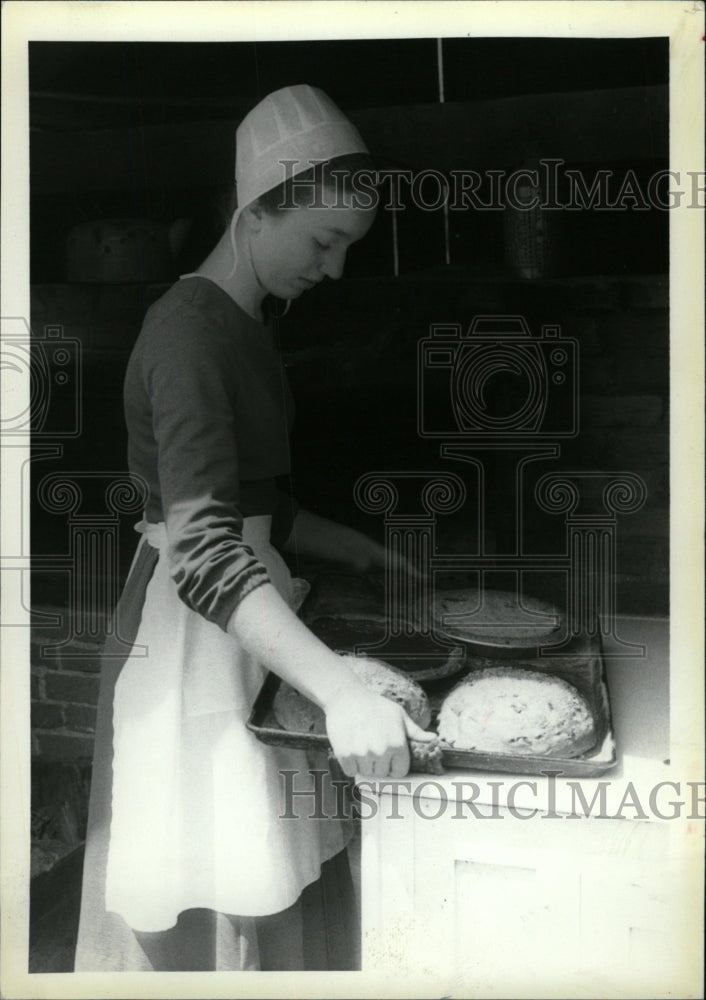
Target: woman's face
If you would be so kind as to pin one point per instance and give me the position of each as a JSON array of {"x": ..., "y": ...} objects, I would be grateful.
[{"x": 294, "y": 249}]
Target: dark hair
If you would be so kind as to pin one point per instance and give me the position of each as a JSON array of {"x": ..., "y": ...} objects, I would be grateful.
[{"x": 338, "y": 173}]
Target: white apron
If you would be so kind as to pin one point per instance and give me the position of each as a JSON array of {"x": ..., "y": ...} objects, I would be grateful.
[{"x": 197, "y": 799}]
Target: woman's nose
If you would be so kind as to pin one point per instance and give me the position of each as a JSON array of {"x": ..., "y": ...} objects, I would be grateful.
[{"x": 333, "y": 263}]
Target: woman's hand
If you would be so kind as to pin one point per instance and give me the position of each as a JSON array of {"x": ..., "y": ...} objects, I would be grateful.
[
  {"x": 369, "y": 734},
  {"x": 368, "y": 556},
  {"x": 317, "y": 536}
]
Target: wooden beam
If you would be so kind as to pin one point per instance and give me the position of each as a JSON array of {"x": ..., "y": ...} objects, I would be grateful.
[{"x": 629, "y": 124}]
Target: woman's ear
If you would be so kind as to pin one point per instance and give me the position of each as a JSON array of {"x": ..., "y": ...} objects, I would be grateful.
[{"x": 253, "y": 214}]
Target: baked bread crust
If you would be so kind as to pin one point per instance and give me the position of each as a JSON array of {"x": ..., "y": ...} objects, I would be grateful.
[
  {"x": 427, "y": 757},
  {"x": 510, "y": 710},
  {"x": 295, "y": 713}
]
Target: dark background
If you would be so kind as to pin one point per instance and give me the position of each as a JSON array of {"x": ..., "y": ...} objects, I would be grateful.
[
  {"x": 131, "y": 98},
  {"x": 145, "y": 131}
]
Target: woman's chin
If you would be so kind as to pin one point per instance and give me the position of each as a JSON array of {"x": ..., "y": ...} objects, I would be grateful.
[
  {"x": 292, "y": 289},
  {"x": 302, "y": 285}
]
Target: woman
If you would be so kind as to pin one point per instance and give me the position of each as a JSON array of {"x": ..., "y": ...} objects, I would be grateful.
[{"x": 188, "y": 864}]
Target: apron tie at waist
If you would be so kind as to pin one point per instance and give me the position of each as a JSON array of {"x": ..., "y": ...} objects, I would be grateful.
[{"x": 154, "y": 533}]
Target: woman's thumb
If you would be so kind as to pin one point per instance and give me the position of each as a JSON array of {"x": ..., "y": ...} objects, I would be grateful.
[{"x": 415, "y": 733}]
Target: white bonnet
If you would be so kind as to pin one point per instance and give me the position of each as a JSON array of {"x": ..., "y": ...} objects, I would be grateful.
[{"x": 296, "y": 123}]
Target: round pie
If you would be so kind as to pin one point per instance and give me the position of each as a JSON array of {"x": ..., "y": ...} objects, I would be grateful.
[
  {"x": 495, "y": 617},
  {"x": 510, "y": 710}
]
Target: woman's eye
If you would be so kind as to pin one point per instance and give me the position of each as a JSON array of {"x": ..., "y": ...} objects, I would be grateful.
[{"x": 322, "y": 246}]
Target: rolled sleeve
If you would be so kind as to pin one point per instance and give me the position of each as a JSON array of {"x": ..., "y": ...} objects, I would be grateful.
[{"x": 197, "y": 461}]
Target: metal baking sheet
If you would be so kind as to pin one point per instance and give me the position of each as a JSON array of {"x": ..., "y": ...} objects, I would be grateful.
[{"x": 583, "y": 667}]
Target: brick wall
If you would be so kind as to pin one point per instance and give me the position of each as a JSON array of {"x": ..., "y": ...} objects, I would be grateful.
[{"x": 64, "y": 690}]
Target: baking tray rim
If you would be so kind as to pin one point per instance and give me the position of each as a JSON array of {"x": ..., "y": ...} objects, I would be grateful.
[{"x": 599, "y": 759}]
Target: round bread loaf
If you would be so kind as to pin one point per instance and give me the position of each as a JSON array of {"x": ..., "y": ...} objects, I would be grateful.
[
  {"x": 297, "y": 714},
  {"x": 520, "y": 712}
]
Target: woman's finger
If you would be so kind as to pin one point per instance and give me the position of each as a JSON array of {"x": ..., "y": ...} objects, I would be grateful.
[
  {"x": 349, "y": 765},
  {"x": 366, "y": 766},
  {"x": 399, "y": 765},
  {"x": 414, "y": 732},
  {"x": 383, "y": 764}
]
